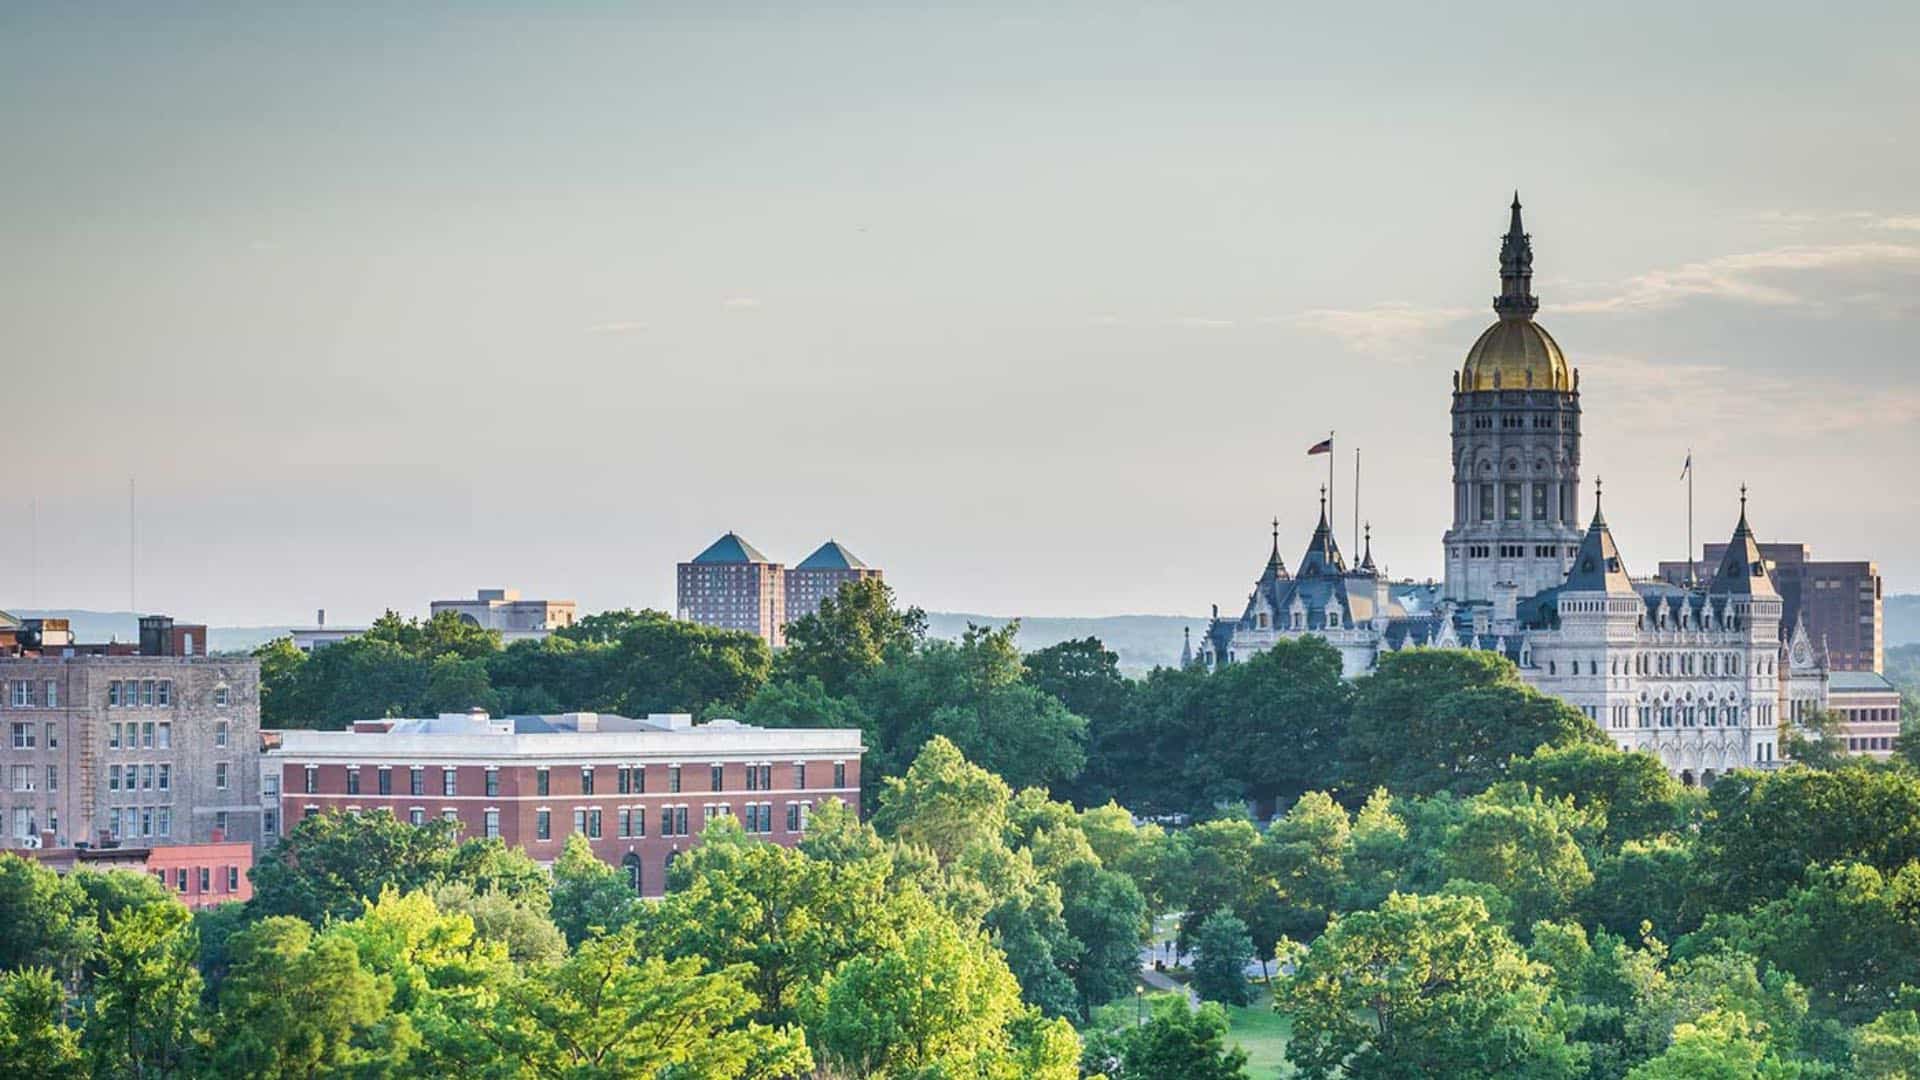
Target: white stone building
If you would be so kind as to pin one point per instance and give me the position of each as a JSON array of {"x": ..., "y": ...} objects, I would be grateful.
[{"x": 1700, "y": 674}]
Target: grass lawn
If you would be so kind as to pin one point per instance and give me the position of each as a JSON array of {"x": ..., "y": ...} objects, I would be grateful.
[{"x": 1262, "y": 1033}]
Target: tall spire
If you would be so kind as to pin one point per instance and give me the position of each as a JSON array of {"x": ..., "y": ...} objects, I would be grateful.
[
  {"x": 1366, "y": 558},
  {"x": 1323, "y": 551},
  {"x": 1276, "y": 566},
  {"x": 1516, "y": 299}
]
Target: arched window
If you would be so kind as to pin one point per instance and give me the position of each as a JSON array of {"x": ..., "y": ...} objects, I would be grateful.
[{"x": 631, "y": 864}]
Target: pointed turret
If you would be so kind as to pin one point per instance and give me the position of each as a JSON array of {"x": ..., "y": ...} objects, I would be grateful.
[
  {"x": 1366, "y": 556},
  {"x": 1186, "y": 647},
  {"x": 1323, "y": 551},
  {"x": 1516, "y": 299},
  {"x": 1742, "y": 571},
  {"x": 1276, "y": 569},
  {"x": 1597, "y": 567}
]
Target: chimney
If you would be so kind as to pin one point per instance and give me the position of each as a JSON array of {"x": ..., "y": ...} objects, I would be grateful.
[{"x": 320, "y": 617}]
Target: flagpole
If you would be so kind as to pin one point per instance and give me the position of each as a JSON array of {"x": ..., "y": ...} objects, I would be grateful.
[
  {"x": 1693, "y": 576},
  {"x": 1355, "y": 535}
]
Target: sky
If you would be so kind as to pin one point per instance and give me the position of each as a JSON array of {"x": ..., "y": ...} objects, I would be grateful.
[{"x": 1035, "y": 306}]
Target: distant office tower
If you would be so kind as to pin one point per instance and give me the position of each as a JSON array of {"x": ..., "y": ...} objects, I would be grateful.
[
  {"x": 820, "y": 575},
  {"x": 503, "y": 610},
  {"x": 732, "y": 586},
  {"x": 1842, "y": 602},
  {"x": 138, "y": 744}
]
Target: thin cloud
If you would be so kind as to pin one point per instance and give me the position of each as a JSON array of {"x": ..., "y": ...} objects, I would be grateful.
[
  {"x": 1390, "y": 330},
  {"x": 1747, "y": 278},
  {"x": 1665, "y": 396},
  {"x": 616, "y": 327},
  {"x": 741, "y": 303}
]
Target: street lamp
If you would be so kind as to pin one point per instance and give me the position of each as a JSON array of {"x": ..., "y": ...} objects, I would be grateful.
[{"x": 1139, "y": 1005}]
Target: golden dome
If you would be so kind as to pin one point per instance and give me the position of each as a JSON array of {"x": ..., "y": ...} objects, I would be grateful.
[{"x": 1516, "y": 354}]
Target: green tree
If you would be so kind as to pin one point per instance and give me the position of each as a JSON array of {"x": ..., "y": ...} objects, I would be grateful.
[
  {"x": 588, "y": 895},
  {"x": 1719, "y": 1046},
  {"x": 34, "y": 1042},
  {"x": 146, "y": 996},
  {"x": 1278, "y": 720},
  {"x": 1762, "y": 830},
  {"x": 607, "y": 1012},
  {"x": 299, "y": 1004},
  {"x": 46, "y": 918},
  {"x": 660, "y": 664},
  {"x": 1178, "y": 1041},
  {"x": 1424, "y": 986},
  {"x": 1304, "y": 854},
  {"x": 854, "y": 632},
  {"x": 944, "y": 802},
  {"x": 332, "y": 863},
  {"x": 1888, "y": 1048},
  {"x": 1222, "y": 950},
  {"x": 1430, "y": 720},
  {"x": 1523, "y": 845},
  {"x": 1105, "y": 913},
  {"x": 1640, "y": 798},
  {"x": 1817, "y": 740},
  {"x": 520, "y": 923},
  {"x": 1220, "y": 872},
  {"x": 942, "y": 1003}
]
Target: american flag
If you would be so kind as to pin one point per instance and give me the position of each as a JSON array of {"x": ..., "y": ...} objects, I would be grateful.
[{"x": 1324, "y": 446}]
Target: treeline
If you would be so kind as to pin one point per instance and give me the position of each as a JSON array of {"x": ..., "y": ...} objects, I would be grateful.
[{"x": 955, "y": 936}]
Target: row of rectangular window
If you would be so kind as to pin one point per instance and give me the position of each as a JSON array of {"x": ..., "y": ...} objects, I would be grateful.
[
  {"x": 158, "y": 777},
  {"x": 24, "y": 731},
  {"x": 23, "y": 694},
  {"x": 26, "y": 826},
  {"x": 25, "y": 775},
  {"x": 136, "y": 821},
  {"x": 630, "y": 779},
  {"x": 140, "y": 694},
  {"x": 204, "y": 878}
]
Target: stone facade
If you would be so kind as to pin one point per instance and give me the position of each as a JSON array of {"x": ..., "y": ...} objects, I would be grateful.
[{"x": 147, "y": 750}]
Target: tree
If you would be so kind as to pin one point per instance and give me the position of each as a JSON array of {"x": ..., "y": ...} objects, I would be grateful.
[
  {"x": 34, "y": 1043},
  {"x": 1178, "y": 1041},
  {"x": 521, "y": 923},
  {"x": 1220, "y": 874},
  {"x": 589, "y": 896},
  {"x": 786, "y": 918},
  {"x": 297, "y": 1004},
  {"x": 1646, "y": 881},
  {"x": 660, "y": 664},
  {"x": 1104, "y": 912},
  {"x": 1430, "y": 720},
  {"x": 1640, "y": 798},
  {"x": 1889, "y": 1047},
  {"x": 942, "y": 1003},
  {"x": 1523, "y": 845},
  {"x": 1305, "y": 855},
  {"x": 1763, "y": 829},
  {"x": 1278, "y": 720},
  {"x": 608, "y": 1011},
  {"x": 332, "y": 863},
  {"x": 46, "y": 918},
  {"x": 1720, "y": 1046},
  {"x": 1422, "y": 986},
  {"x": 1222, "y": 951},
  {"x": 855, "y": 631},
  {"x": 146, "y": 996},
  {"x": 1817, "y": 740},
  {"x": 944, "y": 802}
]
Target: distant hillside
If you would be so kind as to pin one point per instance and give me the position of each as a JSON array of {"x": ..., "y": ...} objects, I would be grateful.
[
  {"x": 1144, "y": 642},
  {"x": 1903, "y": 620},
  {"x": 125, "y": 626}
]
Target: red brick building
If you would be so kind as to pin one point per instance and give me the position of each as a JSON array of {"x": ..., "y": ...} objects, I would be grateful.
[
  {"x": 203, "y": 875},
  {"x": 639, "y": 790}
]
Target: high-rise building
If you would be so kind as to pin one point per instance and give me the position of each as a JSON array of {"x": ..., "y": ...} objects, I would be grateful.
[
  {"x": 149, "y": 743},
  {"x": 733, "y": 586},
  {"x": 820, "y": 575},
  {"x": 1842, "y": 602}
]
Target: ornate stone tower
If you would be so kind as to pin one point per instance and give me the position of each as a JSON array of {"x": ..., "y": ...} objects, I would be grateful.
[{"x": 1516, "y": 446}]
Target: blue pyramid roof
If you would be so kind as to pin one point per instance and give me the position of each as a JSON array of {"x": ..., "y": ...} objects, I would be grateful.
[
  {"x": 831, "y": 556},
  {"x": 731, "y": 549}
]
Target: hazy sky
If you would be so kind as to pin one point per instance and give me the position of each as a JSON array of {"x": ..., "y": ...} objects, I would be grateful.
[{"x": 1036, "y": 307}]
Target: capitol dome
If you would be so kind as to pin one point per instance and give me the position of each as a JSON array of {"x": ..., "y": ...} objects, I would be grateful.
[{"x": 1516, "y": 353}]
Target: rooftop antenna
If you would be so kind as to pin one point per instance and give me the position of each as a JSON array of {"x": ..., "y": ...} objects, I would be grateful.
[
  {"x": 33, "y": 554},
  {"x": 133, "y": 548}
]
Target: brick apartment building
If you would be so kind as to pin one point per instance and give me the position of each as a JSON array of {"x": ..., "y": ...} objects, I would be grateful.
[
  {"x": 733, "y": 586},
  {"x": 1842, "y": 601},
  {"x": 639, "y": 790},
  {"x": 145, "y": 743},
  {"x": 820, "y": 575},
  {"x": 202, "y": 875}
]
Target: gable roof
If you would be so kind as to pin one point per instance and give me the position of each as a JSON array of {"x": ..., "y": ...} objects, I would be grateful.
[
  {"x": 730, "y": 549},
  {"x": 831, "y": 556}
]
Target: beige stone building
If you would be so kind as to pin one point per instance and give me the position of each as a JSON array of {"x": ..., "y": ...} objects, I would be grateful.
[
  {"x": 153, "y": 743},
  {"x": 505, "y": 611}
]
